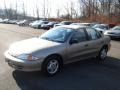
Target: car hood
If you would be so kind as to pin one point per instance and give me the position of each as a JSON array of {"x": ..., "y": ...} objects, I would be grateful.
[
  {"x": 99, "y": 29},
  {"x": 30, "y": 46},
  {"x": 58, "y": 24},
  {"x": 35, "y": 24},
  {"x": 44, "y": 25},
  {"x": 114, "y": 31}
]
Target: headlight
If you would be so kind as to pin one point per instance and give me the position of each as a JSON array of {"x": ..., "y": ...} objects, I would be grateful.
[
  {"x": 27, "y": 57},
  {"x": 105, "y": 32},
  {"x": 42, "y": 25}
]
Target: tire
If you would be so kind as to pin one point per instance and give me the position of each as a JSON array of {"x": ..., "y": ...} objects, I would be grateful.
[
  {"x": 39, "y": 27},
  {"x": 102, "y": 54},
  {"x": 51, "y": 66}
]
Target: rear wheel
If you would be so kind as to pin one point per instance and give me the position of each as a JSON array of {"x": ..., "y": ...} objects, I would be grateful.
[
  {"x": 102, "y": 54},
  {"x": 51, "y": 66}
]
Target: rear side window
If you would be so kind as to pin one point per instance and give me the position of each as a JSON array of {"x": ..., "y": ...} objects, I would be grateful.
[
  {"x": 67, "y": 23},
  {"x": 45, "y": 22},
  {"x": 99, "y": 34},
  {"x": 79, "y": 36},
  {"x": 93, "y": 34}
]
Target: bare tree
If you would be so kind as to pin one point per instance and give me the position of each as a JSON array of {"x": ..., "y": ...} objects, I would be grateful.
[
  {"x": 58, "y": 13},
  {"x": 6, "y": 11},
  {"x": 16, "y": 10},
  {"x": 37, "y": 11},
  {"x": 24, "y": 11},
  {"x": 67, "y": 12},
  {"x": 71, "y": 9},
  {"x": 46, "y": 9}
]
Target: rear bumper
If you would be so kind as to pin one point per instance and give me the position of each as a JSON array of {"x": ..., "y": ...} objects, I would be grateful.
[
  {"x": 109, "y": 46},
  {"x": 22, "y": 65},
  {"x": 46, "y": 27}
]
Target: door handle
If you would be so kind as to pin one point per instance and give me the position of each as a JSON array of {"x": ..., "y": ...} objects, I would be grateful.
[{"x": 86, "y": 45}]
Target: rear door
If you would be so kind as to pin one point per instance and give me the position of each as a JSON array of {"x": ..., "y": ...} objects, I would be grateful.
[
  {"x": 95, "y": 41},
  {"x": 77, "y": 50}
]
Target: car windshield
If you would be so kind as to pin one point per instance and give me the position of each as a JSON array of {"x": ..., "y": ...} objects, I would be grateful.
[
  {"x": 96, "y": 26},
  {"x": 65, "y": 23},
  {"x": 79, "y": 24},
  {"x": 58, "y": 34},
  {"x": 39, "y": 22},
  {"x": 86, "y": 24},
  {"x": 75, "y": 24},
  {"x": 50, "y": 23},
  {"x": 100, "y": 26},
  {"x": 116, "y": 28},
  {"x": 35, "y": 21}
]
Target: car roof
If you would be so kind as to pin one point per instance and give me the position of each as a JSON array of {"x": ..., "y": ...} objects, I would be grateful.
[
  {"x": 104, "y": 24},
  {"x": 66, "y": 21},
  {"x": 73, "y": 26},
  {"x": 117, "y": 26}
]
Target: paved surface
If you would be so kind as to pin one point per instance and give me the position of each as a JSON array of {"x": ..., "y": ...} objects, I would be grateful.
[{"x": 83, "y": 75}]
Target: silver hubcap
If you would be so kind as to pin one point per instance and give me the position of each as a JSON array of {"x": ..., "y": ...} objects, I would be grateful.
[
  {"x": 52, "y": 66},
  {"x": 103, "y": 54}
]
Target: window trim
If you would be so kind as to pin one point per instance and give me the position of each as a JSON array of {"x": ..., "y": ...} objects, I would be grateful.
[
  {"x": 100, "y": 35},
  {"x": 74, "y": 34},
  {"x": 90, "y": 38}
]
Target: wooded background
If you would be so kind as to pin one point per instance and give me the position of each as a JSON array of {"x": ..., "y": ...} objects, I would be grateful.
[{"x": 104, "y": 11}]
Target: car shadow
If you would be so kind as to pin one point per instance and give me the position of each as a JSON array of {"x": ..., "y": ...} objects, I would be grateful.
[{"x": 83, "y": 75}]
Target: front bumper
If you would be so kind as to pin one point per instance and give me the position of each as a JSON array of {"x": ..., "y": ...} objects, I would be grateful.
[
  {"x": 34, "y": 26},
  {"x": 113, "y": 35},
  {"x": 22, "y": 65},
  {"x": 45, "y": 27}
]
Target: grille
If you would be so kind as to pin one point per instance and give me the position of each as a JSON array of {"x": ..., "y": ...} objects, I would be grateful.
[{"x": 111, "y": 33}]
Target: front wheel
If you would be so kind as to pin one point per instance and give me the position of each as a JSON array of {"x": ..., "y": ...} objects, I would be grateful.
[
  {"x": 51, "y": 66},
  {"x": 39, "y": 27}
]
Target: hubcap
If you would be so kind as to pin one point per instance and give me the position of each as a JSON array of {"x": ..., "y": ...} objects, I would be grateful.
[
  {"x": 103, "y": 54},
  {"x": 52, "y": 66}
]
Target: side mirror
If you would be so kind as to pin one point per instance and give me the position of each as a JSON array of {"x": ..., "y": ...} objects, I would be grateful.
[{"x": 73, "y": 41}]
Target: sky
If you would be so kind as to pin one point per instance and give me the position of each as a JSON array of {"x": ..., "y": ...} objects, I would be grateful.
[{"x": 30, "y": 6}]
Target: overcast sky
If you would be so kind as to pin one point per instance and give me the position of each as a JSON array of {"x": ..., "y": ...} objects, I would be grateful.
[{"x": 30, "y": 5}]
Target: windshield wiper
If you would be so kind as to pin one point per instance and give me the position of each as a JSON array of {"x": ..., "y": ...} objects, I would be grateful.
[{"x": 46, "y": 38}]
